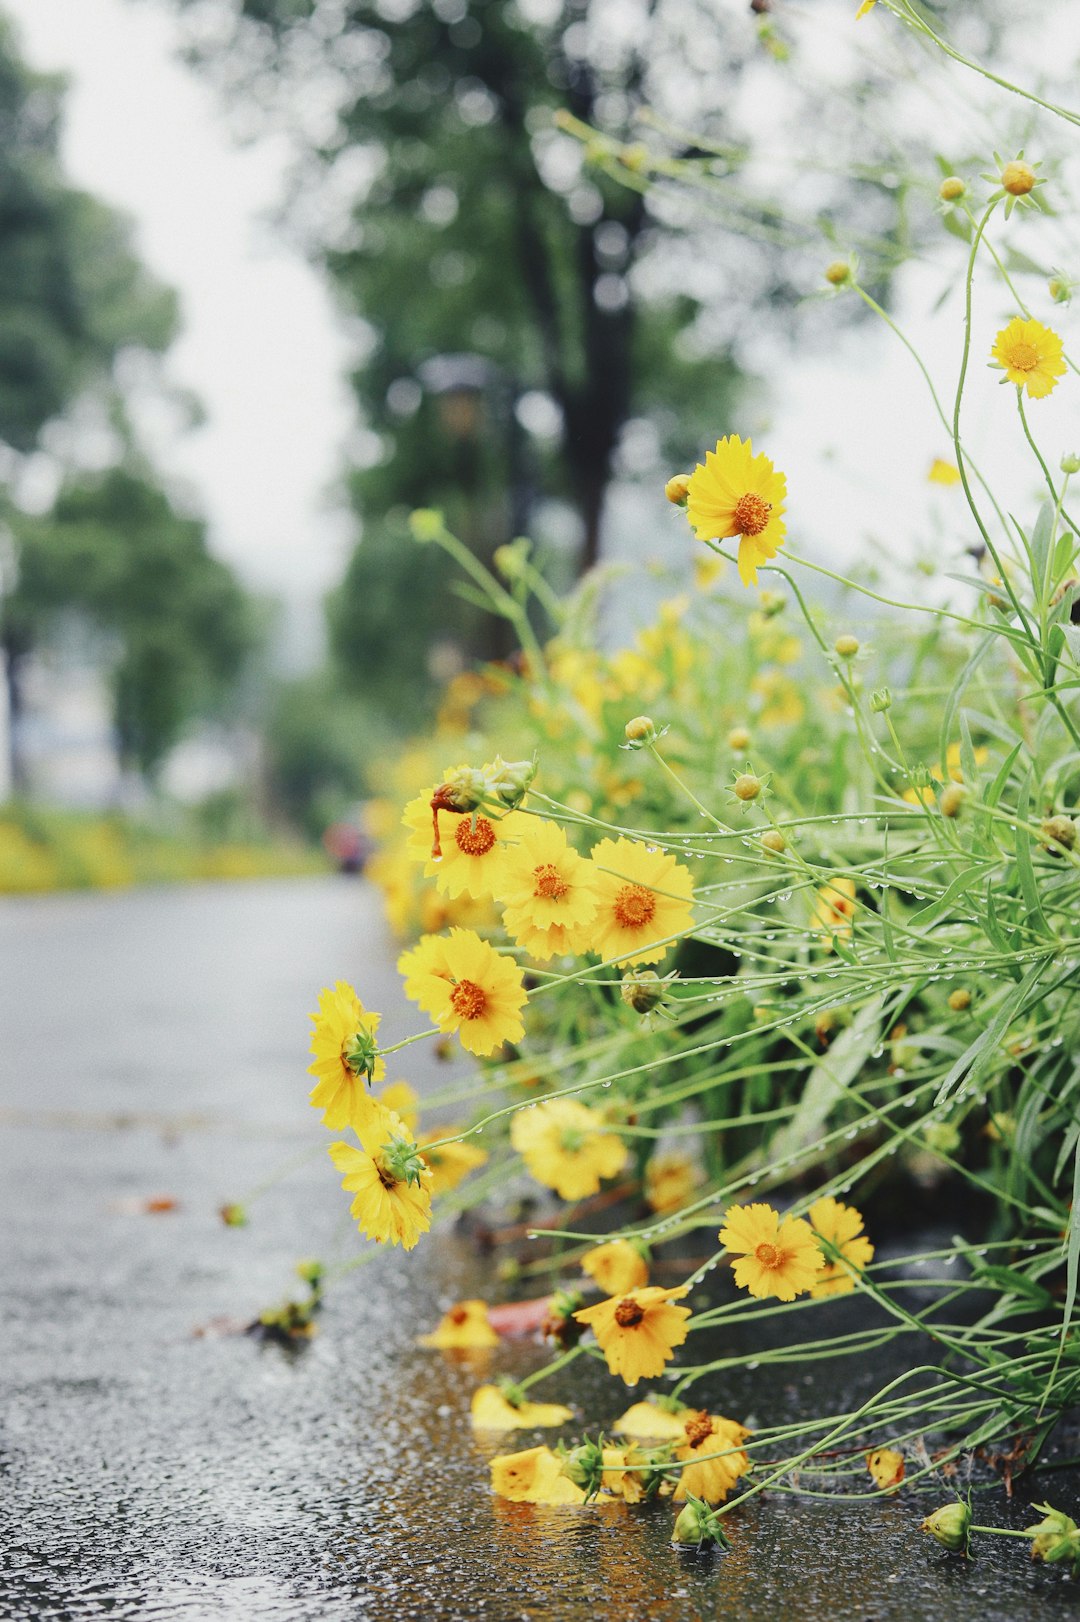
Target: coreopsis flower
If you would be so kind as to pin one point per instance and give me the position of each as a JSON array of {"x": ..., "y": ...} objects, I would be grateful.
[
  {"x": 886, "y": 1466},
  {"x": 776, "y": 1256},
  {"x": 504, "y": 1410},
  {"x": 671, "y": 1181},
  {"x": 566, "y": 1146},
  {"x": 403, "y": 1100},
  {"x": 715, "y": 1459},
  {"x": 345, "y": 1051},
  {"x": 644, "y": 897},
  {"x": 534, "y": 1476},
  {"x": 547, "y": 892},
  {"x": 639, "y": 1331},
  {"x": 841, "y": 1225},
  {"x": 1055, "y": 1540},
  {"x": 389, "y": 1181},
  {"x": 425, "y": 971},
  {"x": 466, "y": 1327},
  {"x": 834, "y": 908},
  {"x": 865, "y": 9},
  {"x": 448, "y": 1163},
  {"x": 472, "y": 847},
  {"x": 482, "y": 997},
  {"x": 1030, "y": 355},
  {"x": 617, "y": 1266},
  {"x": 650, "y": 1421},
  {"x": 620, "y": 1479},
  {"x": 735, "y": 493},
  {"x": 942, "y": 472}
]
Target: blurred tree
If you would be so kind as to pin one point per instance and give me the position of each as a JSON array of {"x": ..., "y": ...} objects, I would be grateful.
[
  {"x": 320, "y": 746},
  {"x": 178, "y": 625}
]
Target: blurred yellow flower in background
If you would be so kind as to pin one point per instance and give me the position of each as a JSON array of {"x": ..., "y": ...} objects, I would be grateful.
[
  {"x": 566, "y": 1147},
  {"x": 464, "y": 1328},
  {"x": 617, "y": 1266}
]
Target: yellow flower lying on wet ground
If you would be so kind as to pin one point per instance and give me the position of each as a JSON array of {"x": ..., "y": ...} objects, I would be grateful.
[
  {"x": 712, "y": 1447},
  {"x": 481, "y": 998},
  {"x": 533, "y": 1477},
  {"x": 942, "y": 472},
  {"x": 736, "y": 493},
  {"x": 777, "y": 1256},
  {"x": 547, "y": 891},
  {"x": 465, "y": 1327},
  {"x": 565, "y": 1146},
  {"x": 1030, "y": 355},
  {"x": 671, "y": 1181},
  {"x": 644, "y": 897},
  {"x": 617, "y": 1266},
  {"x": 473, "y": 847},
  {"x": 449, "y": 1163},
  {"x": 649, "y": 1422},
  {"x": 492, "y": 1411},
  {"x": 842, "y": 1226},
  {"x": 344, "y": 1046},
  {"x": 639, "y": 1331},
  {"x": 834, "y": 908},
  {"x": 391, "y": 1184},
  {"x": 886, "y": 1466}
]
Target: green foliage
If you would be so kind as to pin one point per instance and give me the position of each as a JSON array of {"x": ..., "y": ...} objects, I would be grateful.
[{"x": 320, "y": 748}]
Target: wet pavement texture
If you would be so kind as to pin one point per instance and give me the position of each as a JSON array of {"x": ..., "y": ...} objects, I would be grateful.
[{"x": 154, "y": 1044}]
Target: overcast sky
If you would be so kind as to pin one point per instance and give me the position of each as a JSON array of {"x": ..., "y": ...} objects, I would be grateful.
[{"x": 262, "y": 349}]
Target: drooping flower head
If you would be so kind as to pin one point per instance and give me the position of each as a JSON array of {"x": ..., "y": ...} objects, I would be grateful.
[
  {"x": 735, "y": 493},
  {"x": 712, "y": 1447},
  {"x": 508, "y": 1410},
  {"x": 388, "y": 1179},
  {"x": 644, "y": 897},
  {"x": 1030, "y": 355},
  {"x": 671, "y": 1181},
  {"x": 547, "y": 891},
  {"x": 841, "y": 1225},
  {"x": 650, "y": 1421},
  {"x": 480, "y": 998},
  {"x": 534, "y": 1476},
  {"x": 776, "y": 1256},
  {"x": 639, "y": 1331},
  {"x": 345, "y": 1051},
  {"x": 566, "y": 1146},
  {"x": 617, "y": 1266}
]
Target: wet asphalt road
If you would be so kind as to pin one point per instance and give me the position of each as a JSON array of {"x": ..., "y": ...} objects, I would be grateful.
[{"x": 153, "y": 1045}]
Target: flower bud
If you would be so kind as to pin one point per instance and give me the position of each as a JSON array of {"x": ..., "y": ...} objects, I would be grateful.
[
  {"x": 233, "y": 1215},
  {"x": 677, "y": 489},
  {"x": 312, "y": 1272},
  {"x": 642, "y": 990},
  {"x": 772, "y": 839},
  {"x": 838, "y": 272},
  {"x": 847, "y": 646},
  {"x": 1056, "y": 1539},
  {"x": 942, "y": 1137},
  {"x": 959, "y": 999},
  {"x": 880, "y": 699},
  {"x": 559, "y": 1323},
  {"x": 584, "y": 1466},
  {"x": 509, "y": 780},
  {"x": 952, "y": 188},
  {"x": 634, "y": 157},
  {"x": 1059, "y": 831},
  {"x": 696, "y": 1524},
  {"x": 738, "y": 739},
  {"x": 771, "y": 603},
  {"x": 747, "y": 787},
  {"x": 640, "y": 732},
  {"x": 950, "y": 1526},
  {"x": 1070, "y": 463},
  {"x": 1018, "y": 178},
  {"x": 952, "y": 800},
  {"x": 1060, "y": 288},
  {"x": 426, "y": 524}
]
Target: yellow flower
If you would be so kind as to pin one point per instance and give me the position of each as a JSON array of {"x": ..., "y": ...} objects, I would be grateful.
[
  {"x": 465, "y": 1327},
  {"x": 943, "y": 472},
  {"x": 886, "y": 1466},
  {"x": 644, "y": 896},
  {"x": 617, "y": 1266},
  {"x": 621, "y": 1481},
  {"x": 708, "y": 569},
  {"x": 781, "y": 703},
  {"x": 671, "y": 1181},
  {"x": 425, "y": 971},
  {"x": 450, "y": 1163},
  {"x": 776, "y": 1256},
  {"x": 638, "y": 1333},
  {"x": 738, "y": 493},
  {"x": 865, "y": 9},
  {"x": 648, "y": 1422},
  {"x": 834, "y": 907},
  {"x": 547, "y": 890},
  {"x": 483, "y": 997},
  {"x": 565, "y": 1146},
  {"x": 533, "y": 1477},
  {"x": 716, "y": 1460},
  {"x": 343, "y": 1044},
  {"x": 473, "y": 847},
  {"x": 1030, "y": 356},
  {"x": 391, "y": 1184},
  {"x": 403, "y": 1100},
  {"x": 842, "y": 1226},
  {"x": 491, "y": 1411}
]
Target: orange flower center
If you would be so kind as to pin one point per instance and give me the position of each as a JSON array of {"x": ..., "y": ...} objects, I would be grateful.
[
  {"x": 468, "y": 1000},
  {"x": 634, "y": 906},
  {"x": 770, "y": 1256},
  {"x": 751, "y": 514},
  {"x": 698, "y": 1427},
  {"x": 629, "y": 1313},
  {"x": 1023, "y": 357},
  {"x": 458, "y": 1315},
  {"x": 474, "y": 841},
  {"x": 550, "y": 885}
]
